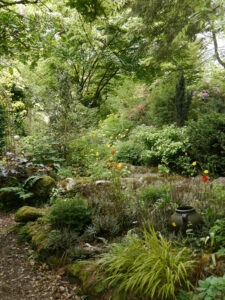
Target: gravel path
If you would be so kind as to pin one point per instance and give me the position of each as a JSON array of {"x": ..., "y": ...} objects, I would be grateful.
[{"x": 19, "y": 278}]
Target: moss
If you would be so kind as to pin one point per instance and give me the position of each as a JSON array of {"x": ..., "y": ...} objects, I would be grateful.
[
  {"x": 152, "y": 178},
  {"x": 174, "y": 178},
  {"x": 85, "y": 274},
  {"x": 75, "y": 269},
  {"x": 154, "y": 169},
  {"x": 28, "y": 213},
  {"x": 38, "y": 235},
  {"x": 43, "y": 186}
]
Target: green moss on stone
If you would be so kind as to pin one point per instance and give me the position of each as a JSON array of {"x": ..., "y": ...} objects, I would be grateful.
[
  {"x": 28, "y": 213},
  {"x": 43, "y": 186}
]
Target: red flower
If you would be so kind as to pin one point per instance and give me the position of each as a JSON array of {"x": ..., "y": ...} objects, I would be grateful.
[
  {"x": 204, "y": 178},
  {"x": 112, "y": 152},
  {"x": 111, "y": 164},
  {"x": 118, "y": 168},
  {"x": 115, "y": 165}
]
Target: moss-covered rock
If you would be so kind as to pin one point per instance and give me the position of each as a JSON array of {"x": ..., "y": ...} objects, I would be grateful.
[
  {"x": 43, "y": 186},
  {"x": 29, "y": 213},
  {"x": 86, "y": 275},
  {"x": 38, "y": 234}
]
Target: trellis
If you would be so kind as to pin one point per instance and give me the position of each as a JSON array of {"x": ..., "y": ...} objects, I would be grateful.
[{"x": 6, "y": 120}]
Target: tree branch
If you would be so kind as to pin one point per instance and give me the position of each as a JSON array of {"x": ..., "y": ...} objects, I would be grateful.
[
  {"x": 216, "y": 48},
  {"x": 6, "y": 3}
]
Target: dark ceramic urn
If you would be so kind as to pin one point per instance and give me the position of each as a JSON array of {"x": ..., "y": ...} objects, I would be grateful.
[{"x": 185, "y": 215}]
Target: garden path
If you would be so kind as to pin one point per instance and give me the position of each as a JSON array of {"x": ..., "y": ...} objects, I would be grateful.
[{"x": 20, "y": 277}]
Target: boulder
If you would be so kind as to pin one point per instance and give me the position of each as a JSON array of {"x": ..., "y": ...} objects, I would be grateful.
[
  {"x": 29, "y": 213},
  {"x": 67, "y": 184},
  {"x": 43, "y": 186}
]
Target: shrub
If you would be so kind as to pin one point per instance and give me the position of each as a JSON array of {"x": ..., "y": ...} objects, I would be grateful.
[
  {"x": 207, "y": 142},
  {"x": 73, "y": 213},
  {"x": 152, "y": 193},
  {"x": 147, "y": 267},
  {"x": 130, "y": 152},
  {"x": 168, "y": 146},
  {"x": 43, "y": 149}
]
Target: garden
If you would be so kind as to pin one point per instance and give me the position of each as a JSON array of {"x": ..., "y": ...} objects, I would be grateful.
[{"x": 112, "y": 146}]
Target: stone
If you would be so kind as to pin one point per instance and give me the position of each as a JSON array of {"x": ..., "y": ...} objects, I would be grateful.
[
  {"x": 67, "y": 185},
  {"x": 43, "y": 186},
  {"x": 29, "y": 213}
]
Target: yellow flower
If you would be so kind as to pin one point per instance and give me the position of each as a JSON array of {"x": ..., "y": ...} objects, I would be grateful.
[
  {"x": 110, "y": 158},
  {"x": 173, "y": 224},
  {"x": 120, "y": 165},
  {"x": 113, "y": 146},
  {"x": 206, "y": 171},
  {"x": 97, "y": 153},
  {"x": 186, "y": 153},
  {"x": 108, "y": 145},
  {"x": 194, "y": 163},
  {"x": 126, "y": 129},
  {"x": 159, "y": 148}
]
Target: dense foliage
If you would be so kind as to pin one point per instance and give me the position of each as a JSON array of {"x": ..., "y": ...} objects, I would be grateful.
[{"x": 113, "y": 117}]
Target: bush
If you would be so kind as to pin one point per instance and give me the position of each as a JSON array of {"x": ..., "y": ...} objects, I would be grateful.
[
  {"x": 168, "y": 146},
  {"x": 130, "y": 152},
  {"x": 207, "y": 142},
  {"x": 41, "y": 148},
  {"x": 147, "y": 267},
  {"x": 152, "y": 193},
  {"x": 73, "y": 213}
]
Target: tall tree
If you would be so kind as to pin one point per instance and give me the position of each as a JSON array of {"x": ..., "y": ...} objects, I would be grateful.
[{"x": 182, "y": 101}]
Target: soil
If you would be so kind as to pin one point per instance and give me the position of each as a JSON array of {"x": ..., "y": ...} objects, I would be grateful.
[{"x": 20, "y": 276}]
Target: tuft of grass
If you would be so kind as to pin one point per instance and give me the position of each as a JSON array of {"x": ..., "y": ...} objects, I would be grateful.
[{"x": 147, "y": 267}]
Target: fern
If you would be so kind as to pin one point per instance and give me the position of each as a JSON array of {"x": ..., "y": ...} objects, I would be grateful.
[{"x": 29, "y": 183}]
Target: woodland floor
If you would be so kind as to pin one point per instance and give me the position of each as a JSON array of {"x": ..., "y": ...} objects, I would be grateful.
[{"x": 20, "y": 277}]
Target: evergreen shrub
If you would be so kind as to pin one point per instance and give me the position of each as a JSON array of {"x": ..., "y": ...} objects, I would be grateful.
[{"x": 71, "y": 213}]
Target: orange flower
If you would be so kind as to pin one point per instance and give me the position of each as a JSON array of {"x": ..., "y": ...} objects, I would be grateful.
[
  {"x": 115, "y": 165},
  {"x": 111, "y": 164},
  {"x": 118, "y": 168},
  {"x": 112, "y": 152},
  {"x": 204, "y": 178}
]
